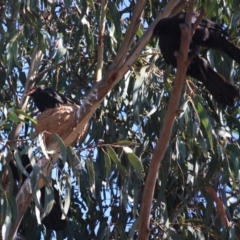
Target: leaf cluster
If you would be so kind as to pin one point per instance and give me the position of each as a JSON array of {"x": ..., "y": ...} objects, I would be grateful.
[{"x": 102, "y": 178}]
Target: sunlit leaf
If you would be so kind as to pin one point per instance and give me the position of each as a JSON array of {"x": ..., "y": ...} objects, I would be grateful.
[
  {"x": 115, "y": 159},
  {"x": 62, "y": 147},
  {"x": 135, "y": 162}
]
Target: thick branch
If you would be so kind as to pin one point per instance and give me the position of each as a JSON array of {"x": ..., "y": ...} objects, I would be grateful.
[
  {"x": 178, "y": 8},
  {"x": 36, "y": 60},
  {"x": 182, "y": 65},
  {"x": 24, "y": 196},
  {"x": 220, "y": 206}
]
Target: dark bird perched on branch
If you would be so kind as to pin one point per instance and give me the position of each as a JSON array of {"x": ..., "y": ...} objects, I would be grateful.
[
  {"x": 45, "y": 98},
  {"x": 208, "y": 34},
  {"x": 53, "y": 220}
]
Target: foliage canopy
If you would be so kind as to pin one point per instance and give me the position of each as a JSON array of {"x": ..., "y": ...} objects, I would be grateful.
[{"x": 197, "y": 190}]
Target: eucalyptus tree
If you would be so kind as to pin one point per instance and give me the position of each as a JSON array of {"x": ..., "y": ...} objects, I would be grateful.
[{"x": 73, "y": 47}]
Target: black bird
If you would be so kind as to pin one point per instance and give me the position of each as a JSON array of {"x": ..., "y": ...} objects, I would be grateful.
[
  {"x": 208, "y": 34},
  {"x": 45, "y": 98},
  {"x": 53, "y": 220}
]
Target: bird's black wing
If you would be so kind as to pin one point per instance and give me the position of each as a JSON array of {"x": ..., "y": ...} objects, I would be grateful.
[
  {"x": 223, "y": 92},
  {"x": 58, "y": 97},
  {"x": 66, "y": 99},
  {"x": 206, "y": 23}
]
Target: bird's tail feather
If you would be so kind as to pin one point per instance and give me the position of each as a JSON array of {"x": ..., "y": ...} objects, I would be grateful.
[
  {"x": 231, "y": 50},
  {"x": 223, "y": 92}
]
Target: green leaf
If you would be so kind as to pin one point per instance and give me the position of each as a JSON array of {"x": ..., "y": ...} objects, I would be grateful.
[
  {"x": 19, "y": 163},
  {"x": 67, "y": 198},
  {"x": 62, "y": 147},
  {"x": 91, "y": 175},
  {"x": 115, "y": 19},
  {"x": 3, "y": 207},
  {"x": 74, "y": 161},
  {"x": 13, "y": 117},
  {"x": 48, "y": 199},
  {"x": 107, "y": 166},
  {"x": 133, "y": 229},
  {"x": 19, "y": 111},
  {"x": 13, "y": 205},
  {"x": 12, "y": 48},
  {"x": 204, "y": 118},
  {"x": 92, "y": 4},
  {"x": 125, "y": 143},
  {"x": 46, "y": 36},
  {"x": 135, "y": 162},
  {"x": 115, "y": 159},
  {"x": 61, "y": 51}
]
